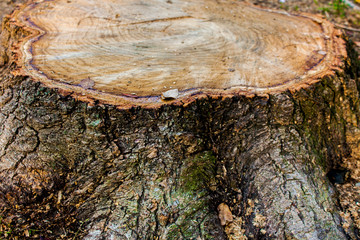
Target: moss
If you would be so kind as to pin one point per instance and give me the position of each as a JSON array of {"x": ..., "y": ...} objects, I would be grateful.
[
  {"x": 192, "y": 215},
  {"x": 315, "y": 141},
  {"x": 197, "y": 175},
  {"x": 199, "y": 172}
]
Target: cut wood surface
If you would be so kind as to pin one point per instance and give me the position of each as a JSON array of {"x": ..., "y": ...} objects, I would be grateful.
[
  {"x": 174, "y": 120},
  {"x": 134, "y": 49}
]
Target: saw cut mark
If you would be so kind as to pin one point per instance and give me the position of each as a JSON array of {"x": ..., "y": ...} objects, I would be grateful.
[{"x": 144, "y": 48}]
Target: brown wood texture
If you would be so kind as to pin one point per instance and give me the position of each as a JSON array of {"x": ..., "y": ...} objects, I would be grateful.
[
  {"x": 134, "y": 51},
  {"x": 263, "y": 105}
]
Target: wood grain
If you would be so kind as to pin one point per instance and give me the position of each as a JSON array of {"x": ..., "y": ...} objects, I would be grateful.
[{"x": 139, "y": 49}]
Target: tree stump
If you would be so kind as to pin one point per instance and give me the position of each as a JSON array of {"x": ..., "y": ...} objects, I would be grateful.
[{"x": 173, "y": 119}]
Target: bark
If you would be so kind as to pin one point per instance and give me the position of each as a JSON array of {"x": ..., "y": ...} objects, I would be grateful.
[
  {"x": 70, "y": 168},
  {"x": 162, "y": 173}
]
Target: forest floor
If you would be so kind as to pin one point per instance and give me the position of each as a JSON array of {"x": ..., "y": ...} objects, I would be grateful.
[{"x": 344, "y": 17}]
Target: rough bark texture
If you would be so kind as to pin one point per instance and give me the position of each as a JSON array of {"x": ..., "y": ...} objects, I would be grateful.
[
  {"x": 161, "y": 173},
  {"x": 71, "y": 169}
]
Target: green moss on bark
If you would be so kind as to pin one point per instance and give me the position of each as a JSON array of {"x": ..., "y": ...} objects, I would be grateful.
[{"x": 199, "y": 172}]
